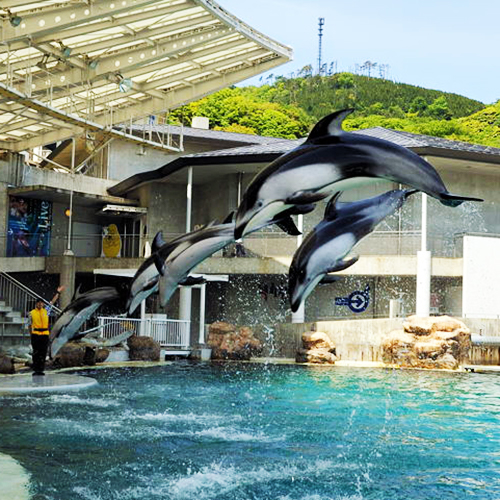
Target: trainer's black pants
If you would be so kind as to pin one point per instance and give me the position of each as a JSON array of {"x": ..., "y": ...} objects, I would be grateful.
[{"x": 40, "y": 344}]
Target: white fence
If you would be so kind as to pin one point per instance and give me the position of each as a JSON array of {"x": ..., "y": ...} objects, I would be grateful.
[{"x": 168, "y": 332}]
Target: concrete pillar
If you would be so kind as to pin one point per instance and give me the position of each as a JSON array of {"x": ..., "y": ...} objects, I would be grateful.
[
  {"x": 143, "y": 319},
  {"x": 424, "y": 260},
  {"x": 201, "y": 333},
  {"x": 300, "y": 315},
  {"x": 423, "y": 283},
  {"x": 185, "y": 303},
  {"x": 67, "y": 278}
]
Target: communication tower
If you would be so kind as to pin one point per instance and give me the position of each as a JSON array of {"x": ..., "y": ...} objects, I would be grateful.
[{"x": 321, "y": 22}]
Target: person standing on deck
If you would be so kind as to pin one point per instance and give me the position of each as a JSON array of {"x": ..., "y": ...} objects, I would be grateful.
[{"x": 39, "y": 329}]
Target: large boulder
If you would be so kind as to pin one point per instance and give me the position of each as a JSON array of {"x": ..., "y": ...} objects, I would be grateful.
[
  {"x": 74, "y": 354},
  {"x": 435, "y": 342},
  {"x": 227, "y": 341},
  {"x": 430, "y": 324},
  {"x": 317, "y": 340},
  {"x": 317, "y": 347},
  {"x": 6, "y": 364},
  {"x": 317, "y": 356},
  {"x": 143, "y": 349}
]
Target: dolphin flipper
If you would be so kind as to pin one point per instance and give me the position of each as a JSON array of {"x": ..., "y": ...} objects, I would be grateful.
[
  {"x": 288, "y": 226},
  {"x": 159, "y": 264},
  {"x": 328, "y": 278},
  {"x": 192, "y": 280},
  {"x": 344, "y": 264},
  {"x": 305, "y": 198},
  {"x": 454, "y": 200}
]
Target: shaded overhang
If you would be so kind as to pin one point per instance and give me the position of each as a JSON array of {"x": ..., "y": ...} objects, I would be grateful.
[
  {"x": 103, "y": 205},
  {"x": 72, "y": 66}
]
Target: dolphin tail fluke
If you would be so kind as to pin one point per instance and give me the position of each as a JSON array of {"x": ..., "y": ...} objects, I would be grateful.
[{"x": 454, "y": 200}]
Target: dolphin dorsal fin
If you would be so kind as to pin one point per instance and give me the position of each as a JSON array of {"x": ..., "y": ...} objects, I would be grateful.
[
  {"x": 229, "y": 218},
  {"x": 77, "y": 293},
  {"x": 158, "y": 242},
  {"x": 329, "y": 126},
  {"x": 331, "y": 207}
]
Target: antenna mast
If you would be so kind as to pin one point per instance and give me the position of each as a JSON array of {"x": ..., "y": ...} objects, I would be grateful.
[{"x": 320, "y": 35}]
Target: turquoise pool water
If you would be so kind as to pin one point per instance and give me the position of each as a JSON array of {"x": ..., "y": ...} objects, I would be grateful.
[{"x": 260, "y": 432}]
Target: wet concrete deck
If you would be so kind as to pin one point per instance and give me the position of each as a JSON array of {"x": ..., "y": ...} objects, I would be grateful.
[{"x": 50, "y": 382}]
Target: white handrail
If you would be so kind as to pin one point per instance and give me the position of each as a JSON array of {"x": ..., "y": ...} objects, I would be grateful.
[
  {"x": 19, "y": 295},
  {"x": 167, "y": 332}
]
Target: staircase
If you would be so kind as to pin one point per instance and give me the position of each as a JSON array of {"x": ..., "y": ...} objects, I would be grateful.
[
  {"x": 16, "y": 300},
  {"x": 13, "y": 330}
]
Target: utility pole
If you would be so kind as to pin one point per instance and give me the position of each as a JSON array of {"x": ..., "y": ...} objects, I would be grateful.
[{"x": 320, "y": 35}]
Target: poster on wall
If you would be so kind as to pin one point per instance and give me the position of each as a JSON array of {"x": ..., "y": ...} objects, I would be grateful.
[
  {"x": 111, "y": 241},
  {"x": 28, "y": 230}
]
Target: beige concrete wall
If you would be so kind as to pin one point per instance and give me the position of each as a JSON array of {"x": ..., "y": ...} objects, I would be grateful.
[
  {"x": 214, "y": 200},
  {"x": 354, "y": 340}
]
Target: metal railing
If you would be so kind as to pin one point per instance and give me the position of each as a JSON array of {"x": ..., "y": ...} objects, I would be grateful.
[
  {"x": 167, "y": 332},
  {"x": 19, "y": 296}
]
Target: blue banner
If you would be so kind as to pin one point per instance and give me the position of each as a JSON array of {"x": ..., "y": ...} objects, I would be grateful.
[{"x": 28, "y": 232}]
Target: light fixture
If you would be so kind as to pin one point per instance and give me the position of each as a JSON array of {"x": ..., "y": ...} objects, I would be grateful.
[
  {"x": 124, "y": 84},
  {"x": 14, "y": 20},
  {"x": 66, "y": 51},
  {"x": 42, "y": 64}
]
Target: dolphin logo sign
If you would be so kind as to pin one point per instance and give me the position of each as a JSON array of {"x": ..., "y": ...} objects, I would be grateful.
[{"x": 358, "y": 301}]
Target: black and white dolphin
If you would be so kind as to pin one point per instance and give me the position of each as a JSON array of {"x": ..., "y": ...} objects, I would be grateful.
[
  {"x": 333, "y": 160},
  {"x": 325, "y": 247},
  {"x": 186, "y": 252},
  {"x": 175, "y": 261},
  {"x": 77, "y": 312}
]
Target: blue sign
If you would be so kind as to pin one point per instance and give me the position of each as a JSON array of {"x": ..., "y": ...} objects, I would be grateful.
[{"x": 358, "y": 301}]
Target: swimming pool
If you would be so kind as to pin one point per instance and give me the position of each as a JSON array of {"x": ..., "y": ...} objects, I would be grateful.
[{"x": 252, "y": 431}]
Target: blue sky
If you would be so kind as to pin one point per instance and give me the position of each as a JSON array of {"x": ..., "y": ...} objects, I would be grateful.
[{"x": 449, "y": 45}]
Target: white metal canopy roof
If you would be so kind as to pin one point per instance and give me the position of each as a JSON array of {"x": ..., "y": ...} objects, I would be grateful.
[{"x": 69, "y": 66}]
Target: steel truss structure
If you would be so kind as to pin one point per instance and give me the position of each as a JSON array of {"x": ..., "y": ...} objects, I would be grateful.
[{"x": 73, "y": 67}]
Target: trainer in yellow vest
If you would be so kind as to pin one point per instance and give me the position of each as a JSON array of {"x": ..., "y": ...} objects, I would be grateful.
[
  {"x": 39, "y": 329},
  {"x": 39, "y": 320}
]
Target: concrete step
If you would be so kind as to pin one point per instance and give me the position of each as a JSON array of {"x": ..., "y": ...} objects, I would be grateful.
[
  {"x": 2, "y": 302},
  {"x": 6, "y": 309},
  {"x": 13, "y": 314},
  {"x": 14, "y": 320},
  {"x": 9, "y": 328}
]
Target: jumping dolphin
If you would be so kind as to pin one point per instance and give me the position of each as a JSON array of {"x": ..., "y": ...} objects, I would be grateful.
[
  {"x": 333, "y": 160},
  {"x": 77, "y": 312},
  {"x": 324, "y": 248},
  {"x": 146, "y": 279},
  {"x": 175, "y": 262}
]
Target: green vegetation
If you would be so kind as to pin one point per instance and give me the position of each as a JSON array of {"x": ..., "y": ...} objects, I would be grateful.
[{"x": 289, "y": 106}]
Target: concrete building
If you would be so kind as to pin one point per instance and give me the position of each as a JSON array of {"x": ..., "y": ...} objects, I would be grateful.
[{"x": 207, "y": 183}]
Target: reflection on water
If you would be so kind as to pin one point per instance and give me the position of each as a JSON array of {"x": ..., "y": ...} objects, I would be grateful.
[{"x": 240, "y": 431}]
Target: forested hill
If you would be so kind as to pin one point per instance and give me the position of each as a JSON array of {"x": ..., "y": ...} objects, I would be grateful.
[
  {"x": 289, "y": 107},
  {"x": 318, "y": 95}
]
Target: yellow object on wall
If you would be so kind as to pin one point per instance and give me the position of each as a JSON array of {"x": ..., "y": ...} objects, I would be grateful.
[{"x": 111, "y": 241}]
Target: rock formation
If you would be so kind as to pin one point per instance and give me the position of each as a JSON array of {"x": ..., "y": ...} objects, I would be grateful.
[
  {"x": 73, "y": 354},
  {"x": 316, "y": 348},
  {"x": 6, "y": 364},
  {"x": 143, "y": 349},
  {"x": 227, "y": 341},
  {"x": 431, "y": 342}
]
